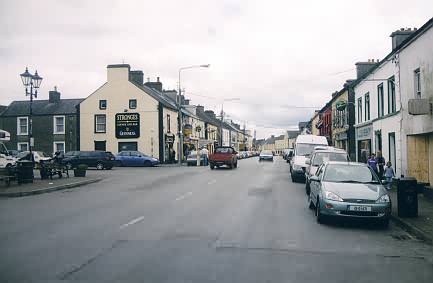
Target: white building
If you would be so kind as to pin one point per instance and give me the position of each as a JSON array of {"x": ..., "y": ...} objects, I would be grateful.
[{"x": 385, "y": 92}]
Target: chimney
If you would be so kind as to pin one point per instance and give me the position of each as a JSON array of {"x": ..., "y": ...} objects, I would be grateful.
[
  {"x": 171, "y": 94},
  {"x": 118, "y": 72},
  {"x": 347, "y": 83},
  {"x": 364, "y": 67},
  {"x": 186, "y": 102},
  {"x": 136, "y": 77},
  {"x": 199, "y": 109},
  {"x": 210, "y": 113},
  {"x": 400, "y": 35},
  {"x": 155, "y": 85},
  {"x": 54, "y": 96}
]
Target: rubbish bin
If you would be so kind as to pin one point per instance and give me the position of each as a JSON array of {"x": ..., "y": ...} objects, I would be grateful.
[
  {"x": 407, "y": 197},
  {"x": 25, "y": 171}
]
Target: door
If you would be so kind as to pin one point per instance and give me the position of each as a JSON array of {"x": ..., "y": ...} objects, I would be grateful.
[
  {"x": 392, "y": 153},
  {"x": 418, "y": 157},
  {"x": 315, "y": 186},
  {"x": 130, "y": 146},
  {"x": 136, "y": 159}
]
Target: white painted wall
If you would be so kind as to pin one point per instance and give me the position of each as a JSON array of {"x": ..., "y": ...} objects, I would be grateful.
[{"x": 419, "y": 54}]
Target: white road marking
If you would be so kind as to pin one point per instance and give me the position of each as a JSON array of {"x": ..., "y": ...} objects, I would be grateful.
[
  {"x": 183, "y": 196},
  {"x": 212, "y": 182},
  {"x": 132, "y": 222}
]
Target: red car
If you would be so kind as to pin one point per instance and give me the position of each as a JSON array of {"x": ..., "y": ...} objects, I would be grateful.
[{"x": 223, "y": 155}]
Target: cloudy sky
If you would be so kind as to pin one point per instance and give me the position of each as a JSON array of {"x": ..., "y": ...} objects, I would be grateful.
[{"x": 280, "y": 58}]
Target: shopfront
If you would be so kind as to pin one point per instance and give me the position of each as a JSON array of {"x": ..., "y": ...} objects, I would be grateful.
[{"x": 364, "y": 137}]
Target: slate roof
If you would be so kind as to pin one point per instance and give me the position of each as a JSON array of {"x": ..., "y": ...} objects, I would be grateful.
[
  {"x": 158, "y": 96},
  {"x": 292, "y": 134},
  {"x": 42, "y": 107},
  {"x": 208, "y": 119}
]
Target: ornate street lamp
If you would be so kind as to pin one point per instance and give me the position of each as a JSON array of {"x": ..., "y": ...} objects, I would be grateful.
[{"x": 31, "y": 84}]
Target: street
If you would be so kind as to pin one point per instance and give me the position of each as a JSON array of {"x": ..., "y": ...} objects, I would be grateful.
[{"x": 189, "y": 224}]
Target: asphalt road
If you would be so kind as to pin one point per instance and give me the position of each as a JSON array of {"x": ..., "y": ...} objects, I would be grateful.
[{"x": 192, "y": 224}]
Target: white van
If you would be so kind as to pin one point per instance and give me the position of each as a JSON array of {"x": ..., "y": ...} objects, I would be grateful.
[
  {"x": 304, "y": 145},
  {"x": 5, "y": 159}
]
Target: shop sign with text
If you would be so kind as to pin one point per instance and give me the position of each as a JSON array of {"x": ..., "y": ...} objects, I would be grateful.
[{"x": 127, "y": 125}]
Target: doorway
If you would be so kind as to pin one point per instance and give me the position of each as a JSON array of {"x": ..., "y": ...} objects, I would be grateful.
[{"x": 392, "y": 153}]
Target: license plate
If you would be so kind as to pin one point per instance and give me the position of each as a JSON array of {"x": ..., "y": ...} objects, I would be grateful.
[{"x": 359, "y": 208}]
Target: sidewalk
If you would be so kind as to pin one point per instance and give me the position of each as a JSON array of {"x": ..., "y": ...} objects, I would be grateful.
[
  {"x": 44, "y": 186},
  {"x": 421, "y": 226}
]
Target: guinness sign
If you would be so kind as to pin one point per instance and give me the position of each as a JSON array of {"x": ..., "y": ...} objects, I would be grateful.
[{"x": 127, "y": 125}]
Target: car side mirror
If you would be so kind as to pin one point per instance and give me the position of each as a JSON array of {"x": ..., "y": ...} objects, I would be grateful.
[
  {"x": 314, "y": 179},
  {"x": 308, "y": 161}
]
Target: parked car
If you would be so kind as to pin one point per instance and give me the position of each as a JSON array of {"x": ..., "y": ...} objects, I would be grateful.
[
  {"x": 348, "y": 189},
  {"x": 304, "y": 145},
  {"x": 223, "y": 155},
  {"x": 38, "y": 156},
  {"x": 319, "y": 156},
  {"x": 135, "y": 158},
  {"x": 266, "y": 155},
  {"x": 99, "y": 159}
]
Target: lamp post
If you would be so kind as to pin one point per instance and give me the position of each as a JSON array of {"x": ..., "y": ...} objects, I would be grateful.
[
  {"x": 222, "y": 117},
  {"x": 179, "y": 109},
  {"x": 31, "y": 84}
]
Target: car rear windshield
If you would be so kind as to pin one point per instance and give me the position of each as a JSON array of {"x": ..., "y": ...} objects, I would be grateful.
[
  {"x": 266, "y": 152},
  {"x": 223, "y": 150},
  {"x": 304, "y": 149},
  {"x": 321, "y": 157},
  {"x": 349, "y": 173}
]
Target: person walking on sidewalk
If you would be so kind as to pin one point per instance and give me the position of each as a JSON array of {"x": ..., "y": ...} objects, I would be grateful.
[
  {"x": 372, "y": 163},
  {"x": 389, "y": 173},
  {"x": 205, "y": 154},
  {"x": 380, "y": 163}
]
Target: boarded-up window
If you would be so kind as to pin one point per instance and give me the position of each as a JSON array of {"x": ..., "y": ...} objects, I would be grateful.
[{"x": 418, "y": 157}]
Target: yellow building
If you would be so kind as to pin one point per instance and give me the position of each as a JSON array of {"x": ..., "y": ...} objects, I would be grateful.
[
  {"x": 125, "y": 114},
  {"x": 314, "y": 130}
]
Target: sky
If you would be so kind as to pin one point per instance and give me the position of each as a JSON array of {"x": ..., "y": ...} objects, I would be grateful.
[{"x": 279, "y": 59}]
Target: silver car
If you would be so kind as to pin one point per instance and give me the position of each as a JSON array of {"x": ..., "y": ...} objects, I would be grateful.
[
  {"x": 348, "y": 189},
  {"x": 319, "y": 156}
]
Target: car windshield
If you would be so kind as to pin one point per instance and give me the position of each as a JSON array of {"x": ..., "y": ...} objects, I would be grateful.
[
  {"x": 321, "y": 157},
  {"x": 22, "y": 154},
  {"x": 266, "y": 152},
  {"x": 349, "y": 173},
  {"x": 304, "y": 149}
]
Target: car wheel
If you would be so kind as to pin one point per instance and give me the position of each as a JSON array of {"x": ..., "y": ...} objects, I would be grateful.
[
  {"x": 293, "y": 178},
  {"x": 310, "y": 203},
  {"x": 384, "y": 223},
  {"x": 212, "y": 166},
  {"x": 307, "y": 187},
  {"x": 99, "y": 166},
  {"x": 8, "y": 165},
  {"x": 319, "y": 215},
  {"x": 231, "y": 165},
  {"x": 147, "y": 163}
]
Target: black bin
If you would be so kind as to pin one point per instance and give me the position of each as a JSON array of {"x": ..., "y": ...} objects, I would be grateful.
[
  {"x": 25, "y": 171},
  {"x": 407, "y": 197}
]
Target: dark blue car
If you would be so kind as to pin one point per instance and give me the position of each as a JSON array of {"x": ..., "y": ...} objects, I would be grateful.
[{"x": 135, "y": 158}]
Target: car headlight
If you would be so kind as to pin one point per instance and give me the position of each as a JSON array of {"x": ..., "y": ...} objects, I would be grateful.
[
  {"x": 383, "y": 199},
  {"x": 297, "y": 167},
  {"x": 332, "y": 196}
]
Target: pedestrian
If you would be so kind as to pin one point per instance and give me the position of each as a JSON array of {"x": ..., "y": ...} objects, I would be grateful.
[
  {"x": 372, "y": 163},
  {"x": 205, "y": 154},
  {"x": 380, "y": 163},
  {"x": 389, "y": 173}
]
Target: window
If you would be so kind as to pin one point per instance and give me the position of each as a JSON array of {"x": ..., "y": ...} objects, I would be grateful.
[
  {"x": 23, "y": 146},
  {"x": 360, "y": 110},
  {"x": 168, "y": 123},
  {"x": 59, "y": 146},
  {"x": 59, "y": 124},
  {"x": 417, "y": 82},
  {"x": 22, "y": 125},
  {"x": 100, "y": 123},
  {"x": 391, "y": 95},
  {"x": 367, "y": 106},
  {"x": 100, "y": 145},
  {"x": 380, "y": 108},
  {"x": 132, "y": 103},
  {"x": 102, "y": 104}
]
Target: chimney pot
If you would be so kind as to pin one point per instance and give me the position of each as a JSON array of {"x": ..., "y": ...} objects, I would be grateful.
[{"x": 157, "y": 79}]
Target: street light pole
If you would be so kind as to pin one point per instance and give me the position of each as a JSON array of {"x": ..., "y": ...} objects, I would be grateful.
[
  {"x": 34, "y": 82},
  {"x": 179, "y": 112}
]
